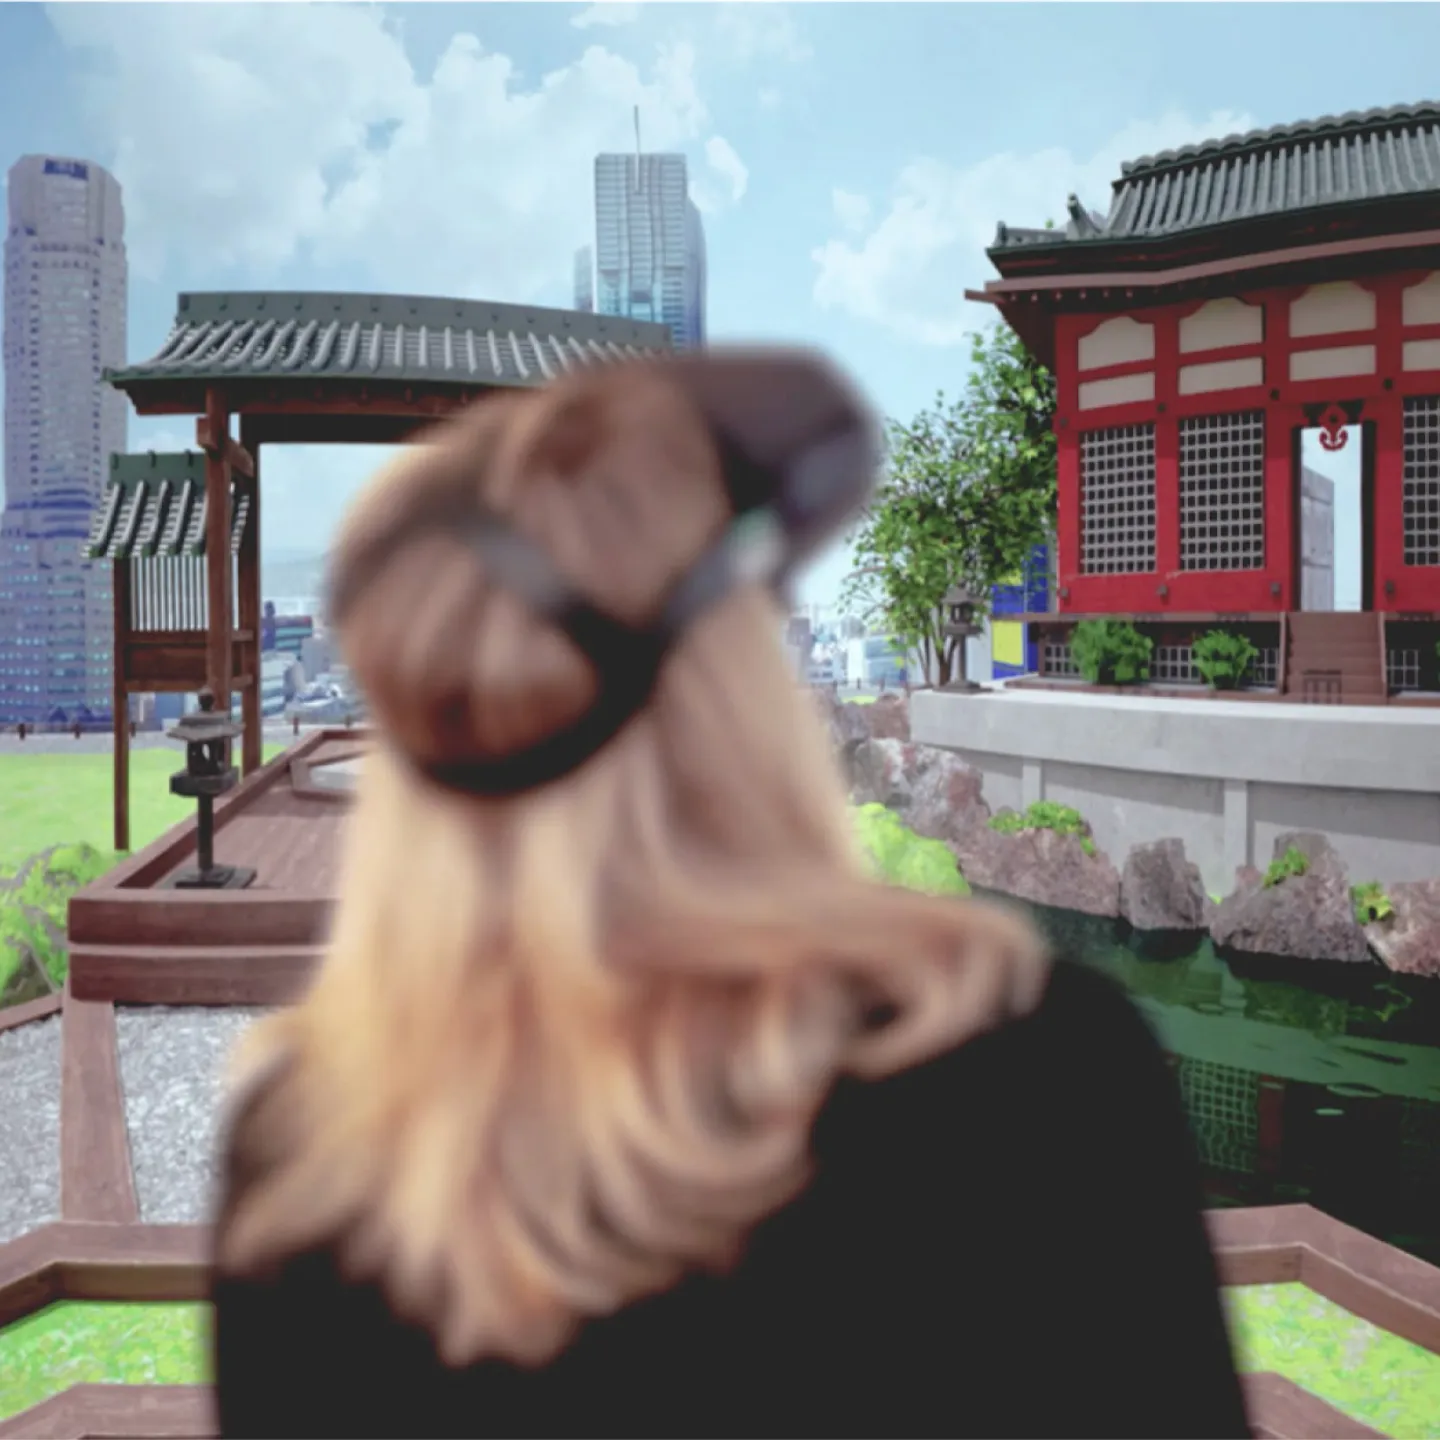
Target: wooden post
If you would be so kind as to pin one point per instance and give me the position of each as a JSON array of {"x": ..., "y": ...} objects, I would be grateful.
[
  {"x": 220, "y": 635},
  {"x": 249, "y": 604},
  {"x": 120, "y": 699}
]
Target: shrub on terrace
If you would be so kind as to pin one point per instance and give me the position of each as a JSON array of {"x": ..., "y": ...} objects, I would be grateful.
[
  {"x": 1371, "y": 903},
  {"x": 1294, "y": 862},
  {"x": 33, "y": 904},
  {"x": 1111, "y": 652},
  {"x": 1046, "y": 815},
  {"x": 1224, "y": 659}
]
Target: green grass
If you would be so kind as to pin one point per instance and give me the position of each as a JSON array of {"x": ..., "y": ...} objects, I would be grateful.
[
  {"x": 85, "y": 1342},
  {"x": 67, "y": 799},
  {"x": 1377, "y": 1378}
]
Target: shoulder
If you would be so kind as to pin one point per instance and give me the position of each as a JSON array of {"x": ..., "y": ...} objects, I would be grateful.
[
  {"x": 1084, "y": 1039},
  {"x": 1080, "y": 1010}
]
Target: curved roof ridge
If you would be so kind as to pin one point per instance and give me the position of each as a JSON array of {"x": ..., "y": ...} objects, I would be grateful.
[{"x": 1351, "y": 122}]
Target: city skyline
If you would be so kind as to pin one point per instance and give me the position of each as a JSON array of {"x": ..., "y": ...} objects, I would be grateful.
[
  {"x": 64, "y": 323},
  {"x": 448, "y": 150}
]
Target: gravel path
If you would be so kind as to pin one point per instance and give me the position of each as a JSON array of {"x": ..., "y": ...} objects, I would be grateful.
[
  {"x": 29, "y": 1126},
  {"x": 172, "y": 1064}
]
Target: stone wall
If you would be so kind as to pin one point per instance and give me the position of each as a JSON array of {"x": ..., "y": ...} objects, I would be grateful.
[{"x": 1126, "y": 868}]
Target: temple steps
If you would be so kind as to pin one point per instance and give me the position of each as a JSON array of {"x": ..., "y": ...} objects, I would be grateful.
[{"x": 1336, "y": 658}]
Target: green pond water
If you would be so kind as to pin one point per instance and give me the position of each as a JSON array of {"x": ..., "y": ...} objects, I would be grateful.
[{"x": 1305, "y": 1082}]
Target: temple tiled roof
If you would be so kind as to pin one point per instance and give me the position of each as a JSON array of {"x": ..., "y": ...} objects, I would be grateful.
[
  {"x": 1339, "y": 160},
  {"x": 308, "y": 337},
  {"x": 155, "y": 506}
]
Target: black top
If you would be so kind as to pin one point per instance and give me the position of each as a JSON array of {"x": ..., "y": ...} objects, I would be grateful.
[{"x": 1006, "y": 1240}]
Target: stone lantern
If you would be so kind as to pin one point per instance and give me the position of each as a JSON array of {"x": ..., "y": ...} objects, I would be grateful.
[
  {"x": 960, "y": 624},
  {"x": 207, "y": 774}
]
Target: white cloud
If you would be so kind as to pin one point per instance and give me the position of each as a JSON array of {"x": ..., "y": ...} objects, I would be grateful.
[
  {"x": 908, "y": 269},
  {"x": 761, "y": 32},
  {"x": 851, "y": 210},
  {"x": 769, "y": 97},
  {"x": 606, "y": 15},
  {"x": 307, "y": 136},
  {"x": 722, "y": 159}
]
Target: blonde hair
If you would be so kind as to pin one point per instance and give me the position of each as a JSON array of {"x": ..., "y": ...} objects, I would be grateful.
[{"x": 568, "y": 1047}]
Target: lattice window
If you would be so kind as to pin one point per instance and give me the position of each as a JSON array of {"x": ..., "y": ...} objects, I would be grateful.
[
  {"x": 1421, "y": 490},
  {"x": 1117, "y": 500},
  {"x": 1175, "y": 663},
  {"x": 1058, "y": 659},
  {"x": 1221, "y": 1102},
  {"x": 1420, "y": 1143},
  {"x": 1265, "y": 668},
  {"x": 1222, "y": 492},
  {"x": 1402, "y": 669}
]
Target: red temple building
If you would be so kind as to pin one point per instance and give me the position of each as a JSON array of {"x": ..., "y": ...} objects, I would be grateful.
[{"x": 1238, "y": 293}]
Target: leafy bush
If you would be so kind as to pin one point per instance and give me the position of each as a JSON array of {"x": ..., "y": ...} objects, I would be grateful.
[
  {"x": 1224, "y": 659},
  {"x": 1045, "y": 815},
  {"x": 901, "y": 857},
  {"x": 1371, "y": 903},
  {"x": 1111, "y": 652},
  {"x": 33, "y": 904},
  {"x": 1293, "y": 862}
]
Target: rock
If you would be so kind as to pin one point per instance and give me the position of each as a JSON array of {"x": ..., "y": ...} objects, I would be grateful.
[
  {"x": 846, "y": 722},
  {"x": 852, "y": 725},
  {"x": 945, "y": 801},
  {"x": 881, "y": 772},
  {"x": 1041, "y": 866},
  {"x": 932, "y": 790},
  {"x": 1409, "y": 940},
  {"x": 885, "y": 718},
  {"x": 888, "y": 718},
  {"x": 1160, "y": 889},
  {"x": 847, "y": 730},
  {"x": 1306, "y": 917},
  {"x": 1247, "y": 877}
]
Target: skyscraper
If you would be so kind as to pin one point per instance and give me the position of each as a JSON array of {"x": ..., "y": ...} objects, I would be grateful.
[
  {"x": 585, "y": 279},
  {"x": 65, "y": 293},
  {"x": 650, "y": 244}
]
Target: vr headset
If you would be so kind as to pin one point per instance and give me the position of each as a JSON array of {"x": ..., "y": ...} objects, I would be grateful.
[{"x": 799, "y": 452}]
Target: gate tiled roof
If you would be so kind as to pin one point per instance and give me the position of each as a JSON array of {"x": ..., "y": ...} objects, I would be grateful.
[
  {"x": 155, "y": 507},
  {"x": 1337, "y": 161},
  {"x": 306, "y": 337}
]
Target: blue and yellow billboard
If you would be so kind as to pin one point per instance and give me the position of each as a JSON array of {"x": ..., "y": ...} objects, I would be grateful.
[{"x": 1012, "y": 650}]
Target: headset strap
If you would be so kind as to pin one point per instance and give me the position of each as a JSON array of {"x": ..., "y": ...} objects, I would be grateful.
[{"x": 626, "y": 659}]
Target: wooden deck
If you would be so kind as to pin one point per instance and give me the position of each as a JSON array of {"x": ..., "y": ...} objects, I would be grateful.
[{"x": 136, "y": 939}]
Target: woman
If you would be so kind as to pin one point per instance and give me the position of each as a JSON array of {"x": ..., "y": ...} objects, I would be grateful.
[{"x": 625, "y": 1102}]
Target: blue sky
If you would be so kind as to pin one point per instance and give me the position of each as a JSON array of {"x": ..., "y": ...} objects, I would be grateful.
[{"x": 852, "y": 159}]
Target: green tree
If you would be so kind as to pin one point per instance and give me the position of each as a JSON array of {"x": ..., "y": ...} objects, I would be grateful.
[{"x": 967, "y": 493}]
